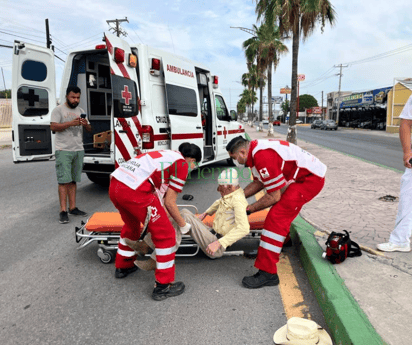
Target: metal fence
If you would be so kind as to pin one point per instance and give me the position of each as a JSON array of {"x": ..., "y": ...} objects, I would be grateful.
[{"x": 5, "y": 113}]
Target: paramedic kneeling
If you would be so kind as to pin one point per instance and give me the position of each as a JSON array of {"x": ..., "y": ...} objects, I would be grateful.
[
  {"x": 68, "y": 125},
  {"x": 133, "y": 187},
  {"x": 275, "y": 164}
]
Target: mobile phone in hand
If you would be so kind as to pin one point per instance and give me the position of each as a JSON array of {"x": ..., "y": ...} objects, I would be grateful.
[{"x": 83, "y": 116}]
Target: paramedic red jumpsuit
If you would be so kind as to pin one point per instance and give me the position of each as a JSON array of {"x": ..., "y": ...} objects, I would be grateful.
[
  {"x": 171, "y": 170},
  {"x": 275, "y": 172}
]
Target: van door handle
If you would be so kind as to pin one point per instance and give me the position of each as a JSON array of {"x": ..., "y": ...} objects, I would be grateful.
[
  {"x": 122, "y": 131},
  {"x": 198, "y": 127},
  {"x": 219, "y": 126}
]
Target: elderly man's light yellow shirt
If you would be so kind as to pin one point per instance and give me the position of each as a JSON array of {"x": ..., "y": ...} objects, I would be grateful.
[{"x": 232, "y": 229}]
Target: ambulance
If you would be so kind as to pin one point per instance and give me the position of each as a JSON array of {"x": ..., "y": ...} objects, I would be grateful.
[{"x": 137, "y": 99}]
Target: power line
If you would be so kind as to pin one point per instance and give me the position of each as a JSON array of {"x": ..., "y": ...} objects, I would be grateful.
[
  {"x": 382, "y": 55},
  {"x": 21, "y": 37}
]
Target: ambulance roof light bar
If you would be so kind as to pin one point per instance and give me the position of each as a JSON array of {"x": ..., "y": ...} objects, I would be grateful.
[{"x": 155, "y": 70}]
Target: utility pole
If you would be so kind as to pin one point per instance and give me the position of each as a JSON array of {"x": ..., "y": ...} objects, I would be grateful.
[
  {"x": 340, "y": 79},
  {"x": 322, "y": 106},
  {"x": 48, "y": 39},
  {"x": 118, "y": 30}
]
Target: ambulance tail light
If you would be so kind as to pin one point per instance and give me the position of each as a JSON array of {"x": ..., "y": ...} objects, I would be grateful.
[
  {"x": 155, "y": 70},
  {"x": 132, "y": 60},
  {"x": 118, "y": 55},
  {"x": 100, "y": 46},
  {"x": 147, "y": 137},
  {"x": 215, "y": 81}
]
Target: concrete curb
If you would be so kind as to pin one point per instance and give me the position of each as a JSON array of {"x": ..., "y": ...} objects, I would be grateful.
[{"x": 346, "y": 320}]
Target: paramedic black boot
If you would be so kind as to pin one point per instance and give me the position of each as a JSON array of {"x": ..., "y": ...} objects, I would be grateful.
[
  {"x": 124, "y": 272},
  {"x": 260, "y": 279},
  {"x": 163, "y": 291}
]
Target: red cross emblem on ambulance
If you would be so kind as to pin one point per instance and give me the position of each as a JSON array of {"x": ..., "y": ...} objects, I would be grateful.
[
  {"x": 126, "y": 95},
  {"x": 224, "y": 132}
]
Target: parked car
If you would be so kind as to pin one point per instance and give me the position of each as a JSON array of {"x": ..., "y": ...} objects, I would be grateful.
[
  {"x": 329, "y": 124},
  {"x": 299, "y": 121},
  {"x": 265, "y": 122},
  {"x": 316, "y": 124},
  {"x": 276, "y": 123}
]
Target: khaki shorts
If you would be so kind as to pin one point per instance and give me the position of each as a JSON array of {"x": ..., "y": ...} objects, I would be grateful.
[{"x": 69, "y": 166}]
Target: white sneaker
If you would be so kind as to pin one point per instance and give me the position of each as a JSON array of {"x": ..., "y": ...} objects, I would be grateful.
[{"x": 392, "y": 247}]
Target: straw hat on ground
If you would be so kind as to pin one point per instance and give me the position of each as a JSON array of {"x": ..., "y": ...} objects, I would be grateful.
[{"x": 300, "y": 331}]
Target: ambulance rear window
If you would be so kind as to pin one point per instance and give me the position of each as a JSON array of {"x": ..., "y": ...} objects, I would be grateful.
[
  {"x": 124, "y": 97},
  {"x": 32, "y": 101},
  {"x": 34, "y": 70},
  {"x": 181, "y": 100}
]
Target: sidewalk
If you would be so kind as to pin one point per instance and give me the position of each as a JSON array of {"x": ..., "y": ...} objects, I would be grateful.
[
  {"x": 365, "y": 300},
  {"x": 5, "y": 136}
]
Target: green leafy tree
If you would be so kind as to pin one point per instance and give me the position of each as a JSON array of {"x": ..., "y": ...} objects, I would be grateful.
[
  {"x": 5, "y": 93},
  {"x": 298, "y": 18},
  {"x": 250, "y": 80},
  {"x": 306, "y": 102},
  {"x": 285, "y": 106}
]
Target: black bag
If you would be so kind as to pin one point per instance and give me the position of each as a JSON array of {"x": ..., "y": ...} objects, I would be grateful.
[{"x": 339, "y": 246}]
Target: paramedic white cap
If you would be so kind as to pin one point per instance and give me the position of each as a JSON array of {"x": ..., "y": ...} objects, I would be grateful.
[
  {"x": 302, "y": 331},
  {"x": 228, "y": 177}
]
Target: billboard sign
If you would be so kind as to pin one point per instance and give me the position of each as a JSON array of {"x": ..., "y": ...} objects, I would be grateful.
[
  {"x": 285, "y": 90},
  {"x": 374, "y": 97},
  {"x": 301, "y": 77}
]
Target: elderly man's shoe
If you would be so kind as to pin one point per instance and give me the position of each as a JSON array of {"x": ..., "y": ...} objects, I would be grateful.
[
  {"x": 140, "y": 247},
  {"x": 163, "y": 291},
  {"x": 146, "y": 265},
  {"x": 260, "y": 279},
  {"x": 124, "y": 272}
]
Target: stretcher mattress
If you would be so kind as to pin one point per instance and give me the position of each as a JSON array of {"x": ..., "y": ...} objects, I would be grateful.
[{"x": 112, "y": 222}]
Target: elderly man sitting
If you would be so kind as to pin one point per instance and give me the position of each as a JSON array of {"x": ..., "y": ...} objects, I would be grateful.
[{"x": 230, "y": 223}]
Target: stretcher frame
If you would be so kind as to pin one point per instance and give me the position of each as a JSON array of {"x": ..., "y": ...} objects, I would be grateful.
[{"x": 108, "y": 241}]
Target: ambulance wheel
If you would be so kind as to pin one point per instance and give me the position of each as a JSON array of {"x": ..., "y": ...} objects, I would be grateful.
[
  {"x": 106, "y": 257},
  {"x": 101, "y": 179},
  {"x": 230, "y": 162}
]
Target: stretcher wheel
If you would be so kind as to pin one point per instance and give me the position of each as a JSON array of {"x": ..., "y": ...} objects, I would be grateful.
[{"x": 105, "y": 256}]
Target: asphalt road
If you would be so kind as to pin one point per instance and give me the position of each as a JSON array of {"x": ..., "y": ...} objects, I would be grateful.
[
  {"x": 51, "y": 293},
  {"x": 374, "y": 146}
]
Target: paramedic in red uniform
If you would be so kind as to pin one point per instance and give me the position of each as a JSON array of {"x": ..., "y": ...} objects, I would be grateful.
[
  {"x": 276, "y": 164},
  {"x": 133, "y": 187}
]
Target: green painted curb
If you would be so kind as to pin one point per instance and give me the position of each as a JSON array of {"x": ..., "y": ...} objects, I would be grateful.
[{"x": 347, "y": 322}]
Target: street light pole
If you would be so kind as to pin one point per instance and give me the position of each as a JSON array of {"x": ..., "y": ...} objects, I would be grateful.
[{"x": 340, "y": 79}]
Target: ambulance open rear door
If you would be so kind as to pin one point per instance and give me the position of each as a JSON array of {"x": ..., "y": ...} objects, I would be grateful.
[
  {"x": 126, "y": 119},
  {"x": 182, "y": 101},
  {"x": 33, "y": 100}
]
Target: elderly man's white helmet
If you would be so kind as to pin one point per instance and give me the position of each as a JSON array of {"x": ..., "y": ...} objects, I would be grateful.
[{"x": 228, "y": 177}]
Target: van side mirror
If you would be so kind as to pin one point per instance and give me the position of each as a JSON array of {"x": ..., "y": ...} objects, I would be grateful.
[{"x": 233, "y": 115}]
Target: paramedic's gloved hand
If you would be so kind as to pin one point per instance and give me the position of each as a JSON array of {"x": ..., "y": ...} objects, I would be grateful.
[
  {"x": 213, "y": 248},
  {"x": 185, "y": 229}
]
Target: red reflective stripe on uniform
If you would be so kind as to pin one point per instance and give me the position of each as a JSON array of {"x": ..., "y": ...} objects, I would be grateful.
[
  {"x": 187, "y": 136},
  {"x": 119, "y": 144},
  {"x": 130, "y": 134}
]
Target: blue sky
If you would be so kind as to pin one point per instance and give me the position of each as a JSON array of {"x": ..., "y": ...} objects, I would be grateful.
[{"x": 200, "y": 30}]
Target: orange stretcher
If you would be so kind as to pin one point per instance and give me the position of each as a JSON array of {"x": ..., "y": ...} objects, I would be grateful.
[{"x": 105, "y": 227}]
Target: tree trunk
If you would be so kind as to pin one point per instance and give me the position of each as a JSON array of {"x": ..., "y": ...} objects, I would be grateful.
[
  {"x": 270, "y": 91},
  {"x": 253, "y": 92},
  {"x": 291, "y": 136},
  {"x": 261, "y": 99}
]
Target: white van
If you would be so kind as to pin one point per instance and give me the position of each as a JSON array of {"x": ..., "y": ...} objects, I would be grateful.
[{"x": 137, "y": 99}]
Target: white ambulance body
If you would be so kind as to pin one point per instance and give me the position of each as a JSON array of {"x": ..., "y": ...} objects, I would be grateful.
[{"x": 137, "y": 99}]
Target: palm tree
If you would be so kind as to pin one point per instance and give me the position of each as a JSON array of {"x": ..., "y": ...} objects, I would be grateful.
[
  {"x": 271, "y": 48},
  {"x": 296, "y": 17},
  {"x": 253, "y": 53},
  {"x": 248, "y": 97},
  {"x": 250, "y": 79}
]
